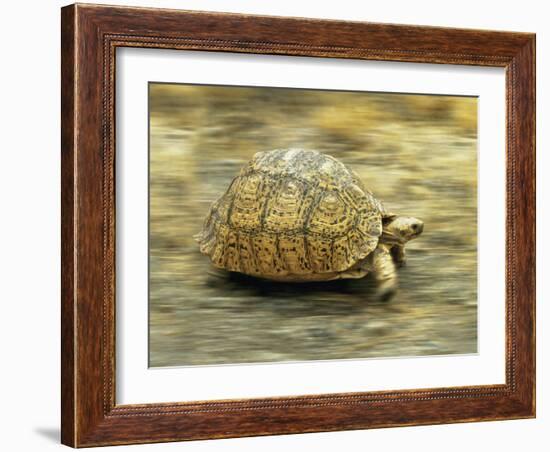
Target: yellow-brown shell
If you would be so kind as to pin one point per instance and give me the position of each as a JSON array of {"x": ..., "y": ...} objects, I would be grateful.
[{"x": 290, "y": 214}]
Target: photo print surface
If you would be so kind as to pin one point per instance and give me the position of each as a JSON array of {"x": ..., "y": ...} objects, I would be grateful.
[{"x": 296, "y": 224}]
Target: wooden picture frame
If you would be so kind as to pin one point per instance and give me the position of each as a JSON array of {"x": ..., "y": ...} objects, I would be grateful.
[{"x": 90, "y": 36}]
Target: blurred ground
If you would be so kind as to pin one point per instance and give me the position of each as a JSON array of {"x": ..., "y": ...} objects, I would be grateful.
[{"x": 417, "y": 153}]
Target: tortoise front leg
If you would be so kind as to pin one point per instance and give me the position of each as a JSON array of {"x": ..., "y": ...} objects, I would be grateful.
[
  {"x": 384, "y": 272},
  {"x": 399, "y": 256}
]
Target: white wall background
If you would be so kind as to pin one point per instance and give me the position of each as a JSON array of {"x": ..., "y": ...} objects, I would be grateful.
[{"x": 29, "y": 225}]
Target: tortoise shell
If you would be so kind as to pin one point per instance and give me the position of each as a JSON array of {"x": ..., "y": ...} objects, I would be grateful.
[{"x": 291, "y": 214}]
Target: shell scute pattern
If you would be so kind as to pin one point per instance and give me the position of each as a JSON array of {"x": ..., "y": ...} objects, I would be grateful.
[
  {"x": 320, "y": 252},
  {"x": 292, "y": 212},
  {"x": 231, "y": 252},
  {"x": 342, "y": 255},
  {"x": 266, "y": 250},
  {"x": 287, "y": 206},
  {"x": 249, "y": 198},
  {"x": 332, "y": 217},
  {"x": 218, "y": 251},
  {"x": 247, "y": 255},
  {"x": 293, "y": 250}
]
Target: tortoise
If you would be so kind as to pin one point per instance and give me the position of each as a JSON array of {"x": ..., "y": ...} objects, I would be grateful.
[{"x": 298, "y": 215}]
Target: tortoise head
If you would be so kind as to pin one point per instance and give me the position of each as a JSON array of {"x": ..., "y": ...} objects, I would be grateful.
[{"x": 400, "y": 229}]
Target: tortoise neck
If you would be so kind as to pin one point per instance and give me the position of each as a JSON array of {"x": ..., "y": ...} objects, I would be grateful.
[{"x": 389, "y": 238}]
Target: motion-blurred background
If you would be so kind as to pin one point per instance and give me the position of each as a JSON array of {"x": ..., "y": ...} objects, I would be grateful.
[{"x": 417, "y": 153}]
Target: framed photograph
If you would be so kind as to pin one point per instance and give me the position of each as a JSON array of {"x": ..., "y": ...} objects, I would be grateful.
[{"x": 282, "y": 225}]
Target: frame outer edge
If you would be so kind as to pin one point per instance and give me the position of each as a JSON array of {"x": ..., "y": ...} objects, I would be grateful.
[
  {"x": 533, "y": 120},
  {"x": 525, "y": 62},
  {"x": 68, "y": 242},
  {"x": 86, "y": 418}
]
